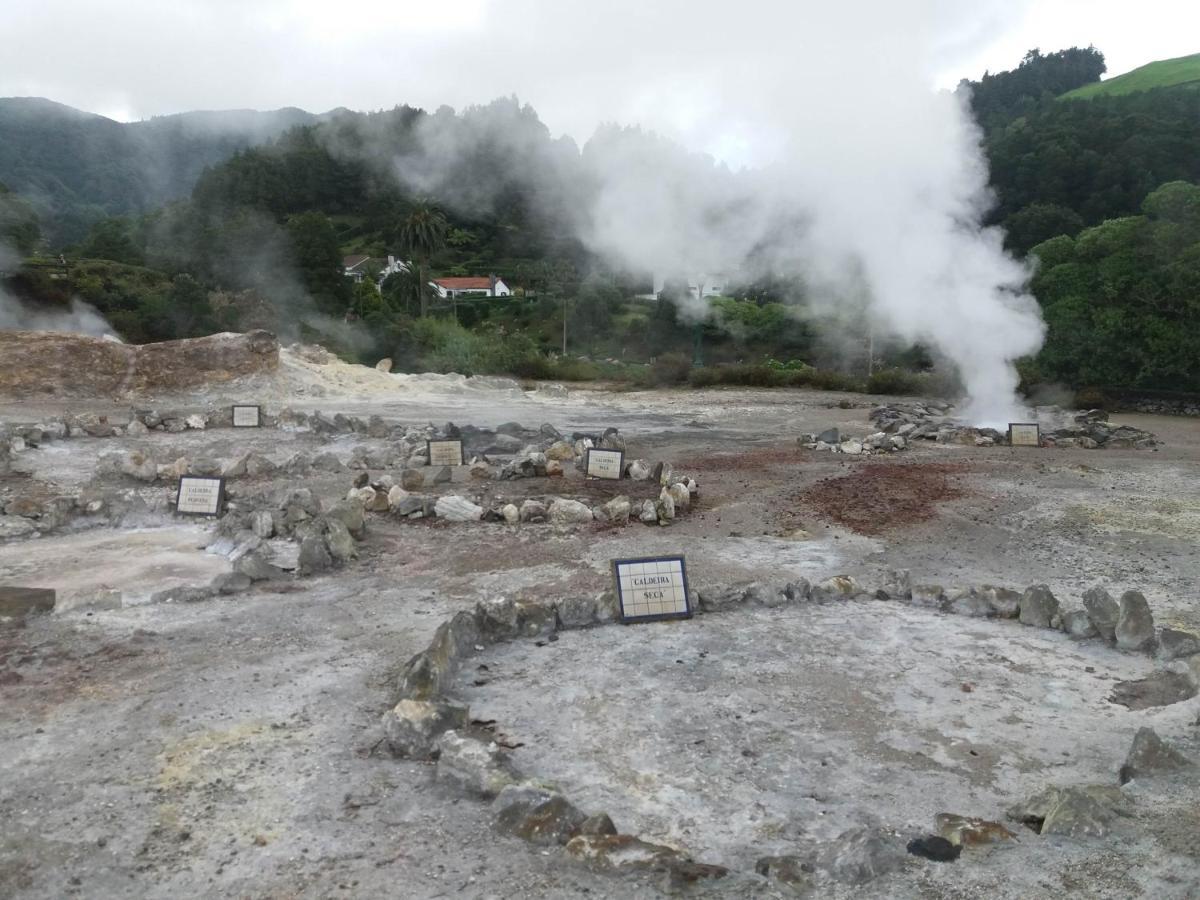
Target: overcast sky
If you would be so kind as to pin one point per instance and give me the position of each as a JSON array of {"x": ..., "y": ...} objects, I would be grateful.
[{"x": 578, "y": 62}]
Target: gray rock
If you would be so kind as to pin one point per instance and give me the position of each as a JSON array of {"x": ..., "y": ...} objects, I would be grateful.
[
  {"x": 533, "y": 511},
  {"x": 183, "y": 595},
  {"x": 409, "y": 504},
  {"x": 350, "y": 514},
  {"x": 1150, "y": 755},
  {"x": 795, "y": 872},
  {"x": 620, "y": 852},
  {"x": 453, "y": 508},
  {"x": 314, "y": 555},
  {"x": 897, "y": 586},
  {"x": 1078, "y": 624},
  {"x": 767, "y": 595},
  {"x": 839, "y": 587},
  {"x": 536, "y": 815},
  {"x": 510, "y": 513},
  {"x": 339, "y": 541},
  {"x": 1102, "y": 609},
  {"x": 1075, "y": 811},
  {"x": 412, "y": 479},
  {"x": 18, "y": 602},
  {"x": 576, "y": 612},
  {"x": 1005, "y": 603},
  {"x": 968, "y": 603},
  {"x": 477, "y": 765},
  {"x": 569, "y": 512},
  {"x": 1177, "y": 643},
  {"x": 1039, "y": 607},
  {"x": 262, "y": 523},
  {"x": 597, "y": 824},
  {"x": 412, "y": 727},
  {"x": 638, "y": 470},
  {"x": 649, "y": 513},
  {"x": 859, "y": 855},
  {"x": 931, "y": 596},
  {"x": 1135, "y": 624},
  {"x": 617, "y": 510},
  {"x": 257, "y": 568},
  {"x": 231, "y": 583},
  {"x": 1164, "y": 688},
  {"x": 442, "y": 476},
  {"x": 830, "y": 436}
]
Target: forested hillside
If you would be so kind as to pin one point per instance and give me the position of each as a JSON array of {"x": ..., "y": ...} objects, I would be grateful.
[{"x": 246, "y": 224}]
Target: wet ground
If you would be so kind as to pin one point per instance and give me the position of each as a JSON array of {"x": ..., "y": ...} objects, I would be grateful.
[{"x": 231, "y": 747}]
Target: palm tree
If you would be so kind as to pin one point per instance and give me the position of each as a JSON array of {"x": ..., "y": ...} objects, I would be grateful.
[{"x": 423, "y": 233}]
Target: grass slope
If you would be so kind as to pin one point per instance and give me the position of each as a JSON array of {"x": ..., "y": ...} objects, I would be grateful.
[{"x": 1183, "y": 71}]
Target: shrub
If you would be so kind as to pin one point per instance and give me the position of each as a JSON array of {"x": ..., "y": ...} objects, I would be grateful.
[
  {"x": 670, "y": 368},
  {"x": 893, "y": 381}
]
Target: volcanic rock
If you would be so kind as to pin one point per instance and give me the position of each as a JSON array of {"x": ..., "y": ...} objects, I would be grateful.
[
  {"x": 1039, "y": 607},
  {"x": 1135, "y": 624}
]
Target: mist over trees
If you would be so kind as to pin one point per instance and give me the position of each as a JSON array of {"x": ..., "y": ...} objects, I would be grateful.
[{"x": 193, "y": 224}]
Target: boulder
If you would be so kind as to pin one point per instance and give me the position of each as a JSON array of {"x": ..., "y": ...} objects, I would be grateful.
[
  {"x": 554, "y": 469},
  {"x": 1039, "y": 607},
  {"x": 1164, "y": 688},
  {"x": 617, "y": 510},
  {"x": 1103, "y": 611},
  {"x": 1150, "y": 755},
  {"x": 314, "y": 555},
  {"x": 480, "y": 470},
  {"x": 968, "y": 603},
  {"x": 533, "y": 511},
  {"x": 681, "y": 495},
  {"x": 839, "y": 587},
  {"x": 931, "y": 596},
  {"x": 648, "y": 514},
  {"x": 576, "y": 612},
  {"x": 350, "y": 514},
  {"x": 1078, "y": 624},
  {"x": 1177, "y": 643},
  {"x": 453, "y": 508},
  {"x": 257, "y": 567},
  {"x": 536, "y": 815},
  {"x": 859, "y": 855},
  {"x": 412, "y": 727},
  {"x": 1075, "y": 811},
  {"x": 1005, "y": 603},
  {"x": 473, "y": 763},
  {"x": 228, "y": 583},
  {"x": 338, "y": 540},
  {"x": 1135, "y": 624},
  {"x": 412, "y": 479},
  {"x": 442, "y": 476},
  {"x": 829, "y": 436},
  {"x": 569, "y": 512},
  {"x": 638, "y": 470},
  {"x": 562, "y": 451}
]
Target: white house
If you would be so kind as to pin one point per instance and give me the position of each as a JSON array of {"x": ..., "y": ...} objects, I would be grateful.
[
  {"x": 360, "y": 267},
  {"x": 698, "y": 285},
  {"x": 470, "y": 286}
]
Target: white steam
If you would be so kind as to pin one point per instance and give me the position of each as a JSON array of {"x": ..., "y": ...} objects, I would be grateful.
[{"x": 78, "y": 317}]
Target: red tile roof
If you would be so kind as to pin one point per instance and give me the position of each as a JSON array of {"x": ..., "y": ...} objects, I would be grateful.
[{"x": 468, "y": 283}]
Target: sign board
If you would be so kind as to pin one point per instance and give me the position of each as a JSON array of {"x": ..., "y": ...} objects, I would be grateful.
[
  {"x": 652, "y": 588},
  {"x": 603, "y": 463},
  {"x": 444, "y": 453},
  {"x": 246, "y": 416},
  {"x": 200, "y": 496},
  {"x": 1024, "y": 434}
]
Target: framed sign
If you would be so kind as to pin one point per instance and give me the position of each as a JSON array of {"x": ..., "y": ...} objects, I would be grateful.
[
  {"x": 1024, "y": 434},
  {"x": 200, "y": 496},
  {"x": 652, "y": 588},
  {"x": 246, "y": 416},
  {"x": 444, "y": 453},
  {"x": 603, "y": 463}
]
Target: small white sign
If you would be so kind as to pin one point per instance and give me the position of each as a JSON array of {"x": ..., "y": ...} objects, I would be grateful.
[
  {"x": 1024, "y": 434},
  {"x": 445, "y": 453},
  {"x": 604, "y": 463},
  {"x": 652, "y": 588},
  {"x": 200, "y": 496},
  {"x": 246, "y": 417}
]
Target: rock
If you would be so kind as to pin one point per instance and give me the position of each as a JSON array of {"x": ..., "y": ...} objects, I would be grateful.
[
  {"x": 477, "y": 765},
  {"x": 612, "y": 440},
  {"x": 384, "y": 365},
  {"x": 597, "y": 824},
  {"x": 664, "y": 506},
  {"x": 793, "y": 871},
  {"x": 1150, "y": 755},
  {"x": 257, "y": 464},
  {"x": 859, "y": 855},
  {"x": 968, "y": 603},
  {"x": 839, "y": 587},
  {"x": 205, "y": 468},
  {"x": 1177, "y": 643},
  {"x": 228, "y": 583},
  {"x": 1102, "y": 609},
  {"x": 562, "y": 451},
  {"x": 829, "y": 436},
  {"x": 350, "y": 514},
  {"x": 897, "y": 586},
  {"x": 569, "y": 512},
  {"x": 314, "y": 555},
  {"x": 442, "y": 476},
  {"x": 649, "y": 512},
  {"x": 1078, "y": 624},
  {"x": 1164, "y": 688},
  {"x": 412, "y": 479},
  {"x": 576, "y": 612},
  {"x": 617, "y": 510},
  {"x": 21, "y": 601},
  {"x": 372, "y": 499},
  {"x": 535, "y": 619},
  {"x": 480, "y": 470},
  {"x": 1038, "y": 607},
  {"x": 852, "y": 447},
  {"x": 183, "y": 594},
  {"x": 681, "y": 495},
  {"x": 257, "y": 568},
  {"x": 935, "y": 848},
  {"x": 196, "y": 422},
  {"x": 1135, "y": 624},
  {"x": 412, "y": 727},
  {"x": 970, "y": 832},
  {"x": 638, "y": 470},
  {"x": 1075, "y": 811},
  {"x": 338, "y": 540},
  {"x": 533, "y": 511},
  {"x": 136, "y": 428},
  {"x": 1005, "y": 603},
  {"x": 619, "y": 852},
  {"x": 453, "y": 508},
  {"x": 26, "y": 507},
  {"x": 554, "y": 469},
  {"x": 511, "y": 514},
  {"x": 536, "y": 815},
  {"x": 395, "y": 496},
  {"x": 549, "y": 432},
  {"x": 931, "y": 596}
]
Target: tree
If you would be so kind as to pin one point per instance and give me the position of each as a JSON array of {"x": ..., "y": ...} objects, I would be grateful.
[
  {"x": 422, "y": 234},
  {"x": 318, "y": 258},
  {"x": 112, "y": 239},
  {"x": 18, "y": 222}
]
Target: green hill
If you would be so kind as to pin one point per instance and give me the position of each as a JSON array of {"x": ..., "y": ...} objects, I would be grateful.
[{"x": 1184, "y": 71}]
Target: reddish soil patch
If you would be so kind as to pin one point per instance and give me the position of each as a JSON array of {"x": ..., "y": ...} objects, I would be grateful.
[{"x": 879, "y": 496}]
